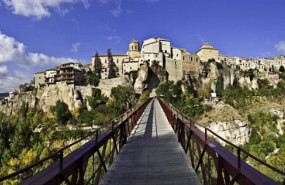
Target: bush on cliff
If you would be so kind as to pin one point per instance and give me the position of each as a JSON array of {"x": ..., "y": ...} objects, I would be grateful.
[{"x": 61, "y": 112}]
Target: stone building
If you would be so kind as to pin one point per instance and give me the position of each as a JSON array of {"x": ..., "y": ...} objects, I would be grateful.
[
  {"x": 194, "y": 57},
  {"x": 156, "y": 49},
  {"x": 207, "y": 52},
  {"x": 71, "y": 73},
  {"x": 51, "y": 76},
  {"x": 118, "y": 60},
  {"x": 39, "y": 79},
  {"x": 130, "y": 61}
]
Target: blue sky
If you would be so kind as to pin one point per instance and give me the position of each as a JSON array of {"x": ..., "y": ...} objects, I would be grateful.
[{"x": 39, "y": 34}]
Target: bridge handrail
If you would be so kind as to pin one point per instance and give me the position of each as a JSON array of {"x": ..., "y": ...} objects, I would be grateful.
[
  {"x": 60, "y": 151},
  {"x": 248, "y": 154},
  {"x": 190, "y": 124},
  {"x": 226, "y": 141},
  {"x": 54, "y": 154}
]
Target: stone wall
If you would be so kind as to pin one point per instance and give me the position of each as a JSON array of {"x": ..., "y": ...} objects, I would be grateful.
[
  {"x": 174, "y": 69},
  {"x": 107, "y": 84}
]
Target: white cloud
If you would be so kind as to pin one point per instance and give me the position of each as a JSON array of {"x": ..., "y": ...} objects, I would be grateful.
[
  {"x": 74, "y": 47},
  {"x": 10, "y": 48},
  {"x": 118, "y": 9},
  {"x": 280, "y": 46},
  {"x": 86, "y": 3},
  {"x": 114, "y": 38},
  {"x": 39, "y": 8},
  {"x": 14, "y": 51},
  {"x": 3, "y": 69},
  {"x": 11, "y": 81},
  {"x": 129, "y": 11}
]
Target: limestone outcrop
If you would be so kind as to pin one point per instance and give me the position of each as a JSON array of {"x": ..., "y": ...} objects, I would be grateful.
[
  {"x": 73, "y": 96},
  {"x": 149, "y": 77},
  {"x": 141, "y": 81},
  {"x": 226, "y": 121},
  {"x": 107, "y": 84},
  {"x": 237, "y": 132}
]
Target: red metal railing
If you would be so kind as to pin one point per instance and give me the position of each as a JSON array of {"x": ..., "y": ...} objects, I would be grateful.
[
  {"x": 213, "y": 163},
  {"x": 89, "y": 163}
]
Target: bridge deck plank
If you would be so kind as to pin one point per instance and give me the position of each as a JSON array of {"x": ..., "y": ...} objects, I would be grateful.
[{"x": 152, "y": 155}]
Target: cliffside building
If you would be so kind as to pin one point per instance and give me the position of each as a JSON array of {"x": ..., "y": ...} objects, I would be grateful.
[
  {"x": 124, "y": 62},
  {"x": 70, "y": 73},
  {"x": 39, "y": 79}
]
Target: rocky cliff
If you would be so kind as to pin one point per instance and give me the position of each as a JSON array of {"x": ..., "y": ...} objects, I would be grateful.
[
  {"x": 47, "y": 96},
  {"x": 226, "y": 121},
  {"x": 149, "y": 77}
]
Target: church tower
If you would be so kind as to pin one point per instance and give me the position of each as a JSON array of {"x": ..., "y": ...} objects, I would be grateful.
[{"x": 134, "y": 49}]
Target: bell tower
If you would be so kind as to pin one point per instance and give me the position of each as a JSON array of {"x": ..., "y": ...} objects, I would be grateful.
[{"x": 134, "y": 49}]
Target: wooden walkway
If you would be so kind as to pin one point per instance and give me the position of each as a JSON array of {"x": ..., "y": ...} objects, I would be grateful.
[{"x": 152, "y": 155}]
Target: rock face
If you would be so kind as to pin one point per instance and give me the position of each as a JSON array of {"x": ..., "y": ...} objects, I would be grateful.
[
  {"x": 15, "y": 100},
  {"x": 150, "y": 77},
  {"x": 142, "y": 80},
  {"x": 46, "y": 97},
  {"x": 107, "y": 84},
  {"x": 226, "y": 121},
  {"x": 72, "y": 96},
  {"x": 236, "y": 132}
]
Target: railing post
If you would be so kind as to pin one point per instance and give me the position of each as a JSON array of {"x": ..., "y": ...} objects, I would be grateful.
[
  {"x": 96, "y": 136},
  {"x": 61, "y": 159},
  {"x": 182, "y": 134},
  {"x": 206, "y": 135},
  {"x": 239, "y": 158}
]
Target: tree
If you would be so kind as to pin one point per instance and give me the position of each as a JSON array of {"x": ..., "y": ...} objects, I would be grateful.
[
  {"x": 61, "y": 112},
  {"x": 93, "y": 79},
  {"x": 220, "y": 86},
  {"x": 263, "y": 83},
  {"x": 97, "y": 98},
  {"x": 164, "y": 90},
  {"x": 97, "y": 65},
  {"x": 111, "y": 65},
  {"x": 282, "y": 69},
  {"x": 122, "y": 99},
  {"x": 6, "y": 133}
]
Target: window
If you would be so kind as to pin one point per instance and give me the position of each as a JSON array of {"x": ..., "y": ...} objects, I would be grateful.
[
  {"x": 183, "y": 57},
  {"x": 135, "y": 47},
  {"x": 105, "y": 69},
  {"x": 39, "y": 77},
  {"x": 105, "y": 61},
  {"x": 130, "y": 67},
  {"x": 156, "y": 56},
  {"x": 132, "y": 47},
  {"x": 117, "y": 60},
  {"x": 191, "y": 58},
  {"x": 196, "y": 59},
  {"x": 177, "y": 55}
]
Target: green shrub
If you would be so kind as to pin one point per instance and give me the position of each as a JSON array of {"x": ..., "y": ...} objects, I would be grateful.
[{"x": 61, "y": 112}]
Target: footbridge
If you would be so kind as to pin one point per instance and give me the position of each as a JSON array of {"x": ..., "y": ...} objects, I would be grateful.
[{"x": 151, "y": 144}]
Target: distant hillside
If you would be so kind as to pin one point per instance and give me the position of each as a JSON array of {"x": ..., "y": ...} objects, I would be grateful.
[{"x": 3, "y": 95}]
